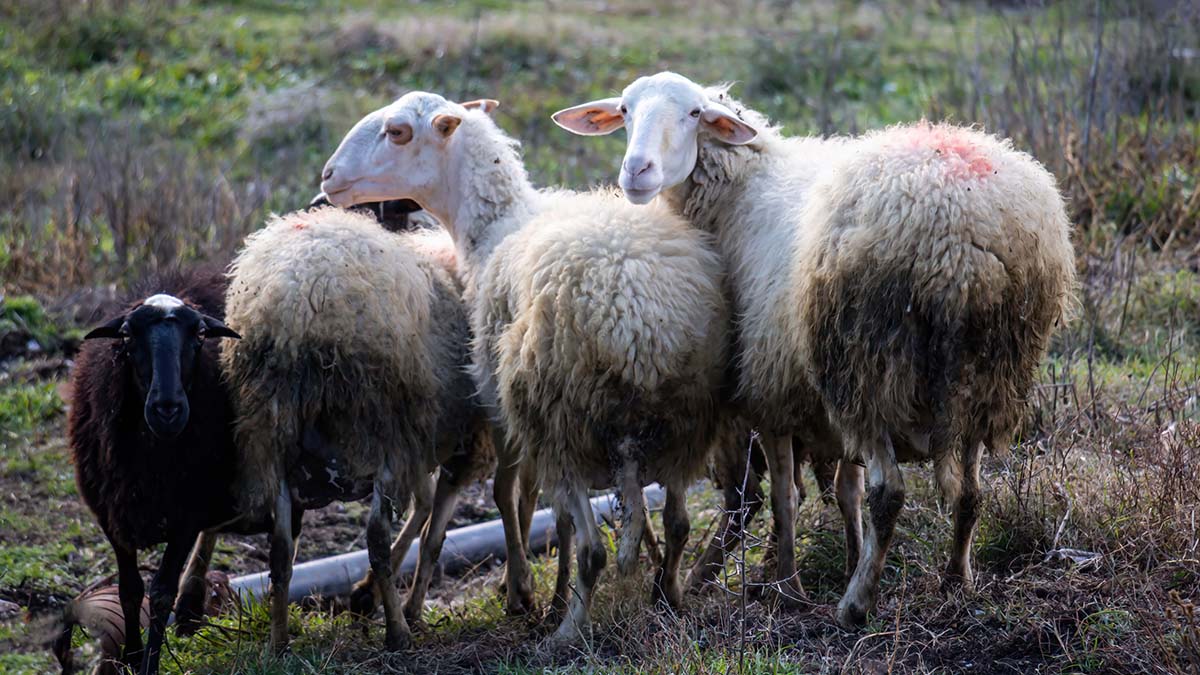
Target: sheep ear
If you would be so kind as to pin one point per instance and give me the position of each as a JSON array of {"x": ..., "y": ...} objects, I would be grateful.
[
  {"x": 115, "y": 328},
  {"x": 592, "y": 119},
  {"x": 487, "y": 105},
  {"x": 214, "y": 328},
  {"x": 722, "y": 123},
  {"x": 445, "y": 124}
]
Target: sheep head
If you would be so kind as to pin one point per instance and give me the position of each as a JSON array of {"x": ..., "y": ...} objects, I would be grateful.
[
  {"x": 398, "y": 152},
  {"x": 664, "y": 116},
  {"x": 162, "y": 337}
]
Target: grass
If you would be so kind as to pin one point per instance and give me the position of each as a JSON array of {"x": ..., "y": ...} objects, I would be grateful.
[{"x": 140, "y": 135}]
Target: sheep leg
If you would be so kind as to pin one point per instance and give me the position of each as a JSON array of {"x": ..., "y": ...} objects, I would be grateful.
[
  {"x": 738, "y": 511},
  {"x": 379, "y": 536},
  {"x": 650, "y": 539},
  {"x": 283, "y": 553},
  {"x": 364, "y": 597},
  {"x": 966, "y": 514},
  {"x": 778, "y": 450},
  {"x": 849, "y": 491},
  {"x": 676, "y": 527},
  {"x": 131, "y": 589},
  {"x": 189, "y": 608},
  {"x": 885, "y": 496},
  {"x": 800, "y": 455},
  {"x": 590, "y": 557},
  {"x": 162, "y": 597},
  {"x": 825, "y": 472},
  {"x": 444, "y": 500},
  {"x": 528, "y": 501},
  {"x": 562, "y": 578},
  {"x": 518, "y": 580},
  {"x": 633, "y": 508}
]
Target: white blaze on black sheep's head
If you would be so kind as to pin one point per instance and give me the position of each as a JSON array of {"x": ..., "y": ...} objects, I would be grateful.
[
  {"x": 664, "y": 116},
  {"x": 396, "y": 152},
  {"x": 162, "y": 337}
]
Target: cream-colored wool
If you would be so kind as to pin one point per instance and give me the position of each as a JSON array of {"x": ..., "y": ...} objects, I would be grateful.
[
  {"x": 351, "y": 379},
  {"x": 934, "y": 263},
  {"x": 902, "y": 286},
  {"x": 600, "y": 327},
  {"x": 372, "y": 319}
]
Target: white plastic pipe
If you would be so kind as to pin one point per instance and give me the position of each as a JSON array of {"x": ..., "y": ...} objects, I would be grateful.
[{"x": 464, "y": 547}]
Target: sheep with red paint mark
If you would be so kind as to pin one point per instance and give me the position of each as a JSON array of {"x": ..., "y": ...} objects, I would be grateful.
[{"x": 899, "y": 289}]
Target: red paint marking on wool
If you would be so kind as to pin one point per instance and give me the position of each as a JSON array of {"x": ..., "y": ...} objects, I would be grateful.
[
  {"x": 298, "y": 225},
  {"x": 963, "y": 156}
]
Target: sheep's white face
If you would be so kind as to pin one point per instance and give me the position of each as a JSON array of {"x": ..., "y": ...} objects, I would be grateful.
[
  {"x": 397, "y": 152},
  {"x": 664, "y": 116}
]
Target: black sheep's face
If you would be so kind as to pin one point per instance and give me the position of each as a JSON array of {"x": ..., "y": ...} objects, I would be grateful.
[{"x": 162, "y": 338}]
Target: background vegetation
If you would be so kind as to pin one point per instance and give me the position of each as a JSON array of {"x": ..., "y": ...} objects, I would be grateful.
[{"x": 138, "y": 135}]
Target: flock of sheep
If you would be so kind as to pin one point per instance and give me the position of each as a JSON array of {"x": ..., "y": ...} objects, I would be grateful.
[{"x": 859, "y": 302}]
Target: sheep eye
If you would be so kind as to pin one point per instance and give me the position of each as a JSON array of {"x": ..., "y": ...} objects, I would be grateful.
[
  {"x": 695, "y": 113},
  {"x": 400, "y": 134}
]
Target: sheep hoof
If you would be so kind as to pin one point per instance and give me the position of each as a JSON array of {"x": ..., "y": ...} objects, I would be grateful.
[
  {"x": 954, "y": 581},
  {"x": 281, "y": 648},
  {"x": 851, "y": 615},
  {"x": 413, "y": 614},
  {"x": 364, "y": 598},
  {"x": 520, "y": 601},
  {"x": 555, "y": 614},
  {"x": 567, "y": 634},
  {"x": 397, "y": 640},
  {"x": 189, "y": 613},
  {"x": 786, "y": 595},
  {"x": 667, "y": 594}
]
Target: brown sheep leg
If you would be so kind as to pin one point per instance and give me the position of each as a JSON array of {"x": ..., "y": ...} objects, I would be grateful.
[
  {"x": 528, "y": 501},
  {"x": 162, "y": 596},
  {"x": 885, "y": 496},
  {"x": 283, "y": 552},
  {"x": 778, "y": 449},
  {"x": 189, "y": 608},
  {"x": 966, "y": 514},
  {"x": 364, "y": 597},
  {"x": 849, "y": 491},
  {"x": 445, "y": 498},
  {"x": 676, "y": 527},
  {"x": 825, "y": 471},
  {"x": 650, "y": 539},
  {"x": 738, "y": 511},
  {"x": 131, "y": 589},
  {"x": 633, "y": 509},
  {"x": 562, "y": 579},
  {"x": 518, "y": 580},
  {"x": 591, "y": 558},
  {"x": 379, "y": 525}
]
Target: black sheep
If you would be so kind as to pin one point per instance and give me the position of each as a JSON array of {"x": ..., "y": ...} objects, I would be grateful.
[{"x": 151, "y": 432}]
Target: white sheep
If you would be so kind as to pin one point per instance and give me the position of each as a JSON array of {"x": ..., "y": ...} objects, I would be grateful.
[
  {"x": 911, "y": 277},
  {"x": 600, "y": 327},
  {"x": 351, "y": 381}
]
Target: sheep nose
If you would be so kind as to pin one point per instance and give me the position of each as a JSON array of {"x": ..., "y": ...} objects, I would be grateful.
[
  {"x": 168, "y": 410},
  {"x": 636, "y": 166},
  {"x": 327, "y": 173}
]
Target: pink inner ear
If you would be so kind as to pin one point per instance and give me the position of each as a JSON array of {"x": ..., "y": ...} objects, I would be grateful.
[{"x": 602, "y": 119}]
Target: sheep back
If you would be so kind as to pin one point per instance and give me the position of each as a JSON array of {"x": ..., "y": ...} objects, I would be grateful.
[
  {"x": 934, "y": 264},
  {"x": 348, "y": 333},
  {"x": 609, "y": 324}
]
